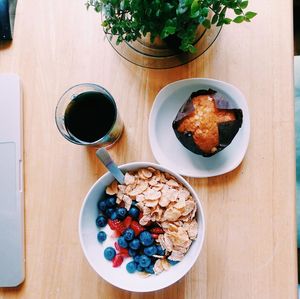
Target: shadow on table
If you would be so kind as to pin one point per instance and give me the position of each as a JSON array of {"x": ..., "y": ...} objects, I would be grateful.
[
  {"x": 117, "y": 153},
  {"x": 11, "y": 291},
  {"x": 176, "y": 290},
  {"x": 5, "y": 45},
  {"x": 226, "y": 178}
]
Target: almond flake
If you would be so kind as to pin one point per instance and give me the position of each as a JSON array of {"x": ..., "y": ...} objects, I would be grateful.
[
  {"x": 172, "y": 214},
  {"x": 189, "y": 207},
  {"x": 168, "y": 243},
  {"x": 129, "y": 179},
  {"x": 180, "y": 204},
  {"x": 158, "y": 268},
  {"x": 151, "y": 203},
  {"x": 112, "y": 189},
  {"x": 183, "y": 193},
  {"x": 144, "y": 220},
  {"x": 165, "y": 264},
  {"x": 128, "y": 201},
  {"x": 151, "y": 194},
  {"x": 140, "y": 188},
  {"x": 141, "y": 174},
  {"x": 146, "y": 173},
  {"x": 172, "y": 183},
  {"x": 140, "y": 197},
  {"x": 193, "y": 230},
  {"x": 176, "y": 256}
]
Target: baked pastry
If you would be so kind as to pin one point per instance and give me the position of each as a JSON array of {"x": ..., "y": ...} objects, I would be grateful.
[{"x": 206, "y": 123}]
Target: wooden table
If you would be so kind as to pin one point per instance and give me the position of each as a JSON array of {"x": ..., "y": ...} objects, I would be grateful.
[{"x": 250, "y": 246}]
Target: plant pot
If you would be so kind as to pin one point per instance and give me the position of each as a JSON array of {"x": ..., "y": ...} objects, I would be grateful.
[{"x": 165, "y": 53}]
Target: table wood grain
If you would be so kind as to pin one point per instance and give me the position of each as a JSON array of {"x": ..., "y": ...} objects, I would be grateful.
[{"x": 250, "y": 245}]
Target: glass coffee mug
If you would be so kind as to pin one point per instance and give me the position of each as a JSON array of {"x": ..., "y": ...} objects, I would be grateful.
[{"x": 87, "y": 114}]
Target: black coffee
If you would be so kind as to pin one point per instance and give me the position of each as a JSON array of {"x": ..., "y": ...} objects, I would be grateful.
[{"x": 90, "y": 116}]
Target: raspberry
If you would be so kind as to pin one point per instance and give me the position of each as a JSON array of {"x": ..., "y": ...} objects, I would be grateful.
[
  {"x": 136, "y": 227},
  {"x": 127, "y": 221},
  {"x": 157, "y": 230},
  {"x": 111, "y": 224},
  {"x": 117, "y": 260},
  {"x": 122, "y": 251},
  {"x": 121, "y": 204},
  {"x": 154, "y": 236},
  {"x": 115, "y": 234},
  {"x": 117, "y": 246},
  {"x": 116, "y": 225},
  {"x": 140, "y": 215}
]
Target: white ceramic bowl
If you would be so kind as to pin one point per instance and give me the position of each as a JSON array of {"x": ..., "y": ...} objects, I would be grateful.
[{"x": 119, "y": 277}]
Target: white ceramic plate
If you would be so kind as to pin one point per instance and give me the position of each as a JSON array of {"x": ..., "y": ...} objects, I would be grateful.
[
  {"x": 167, "y": 149},
  {"x": 119, "y": 277}
]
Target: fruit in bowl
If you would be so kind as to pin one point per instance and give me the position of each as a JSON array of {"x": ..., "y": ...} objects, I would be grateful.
[{"x": 152, "y": 224}]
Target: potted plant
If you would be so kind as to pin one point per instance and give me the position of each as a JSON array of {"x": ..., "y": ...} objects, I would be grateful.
[{"x": 176, "y": 22}]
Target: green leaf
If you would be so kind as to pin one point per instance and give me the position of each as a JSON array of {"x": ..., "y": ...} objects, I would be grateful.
[
  {"x": 201, "y": 19},
  {"x": 217, "y": 6},
  {"x": 204, "y": 11},
  {"x": 188, "y": 2},
  {"x": 98, "y": 8},
  {"x": 227, "y": 21},
  {"x": 195, "y": 14},
  {"x": 239, "y": 19},
  {"x": 250, "y": 14},
  {"x": 244, "y": 4},
  {"x": 195, "y": 7},
  {"x": 181, "y": 10},
  {"x": 214, "y": 19},
  {"x": 206, "y": 23},
  {"x": 168, "y": 30},
  {"x": 191, "y": 49},
  {"x": 238, "y": 11}
]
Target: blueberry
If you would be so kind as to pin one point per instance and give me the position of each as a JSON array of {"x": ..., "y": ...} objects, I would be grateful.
[
  {"x": 132, "y": 252},
  {"x": 139, "y": 268},
  {"x": 109, "y": 211},
  {"x": 134, "y": 202},
  {"x": 134, "y": 212},
  {"x": 101, "y": 205},
  {"x": 101, "y": 236},
  {"x": 137, "y": 258},
  {"x": 109, "y": 253},
  {"x": 131, "y": 267},
  {"x": 122, "y": 242},
  {"x": 101, "y": 221},
  {"x": 113, "y": 216},
  {"x": 121, "y": 213},
  {"x": 144, "y": 261},
  {"x": 149, "y": 269},
  {"x": 171, "y": 262},
  {"x": 135, "y": 244},
  {"x": 111, "y": 202},
  {"x": 151, "y": 250},
  {"x": 128, "y": 234},
  {"x": 160, "y": 250},
  {"x": 146, "y": 238}
]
